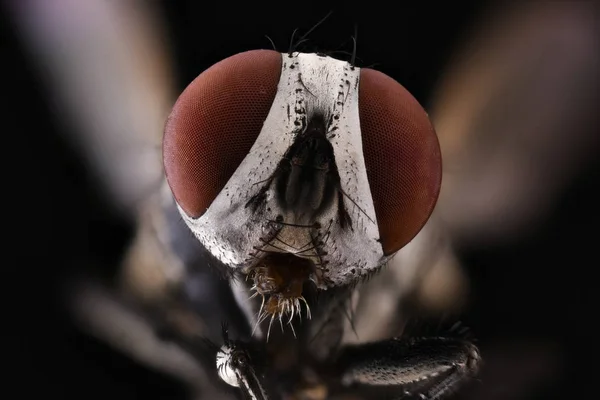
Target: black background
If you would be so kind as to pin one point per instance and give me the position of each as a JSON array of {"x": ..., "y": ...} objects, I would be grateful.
[{"x": 538, "y": 288}]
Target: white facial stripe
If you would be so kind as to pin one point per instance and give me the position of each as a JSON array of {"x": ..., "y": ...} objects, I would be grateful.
[{"x": 309, "y": 84}]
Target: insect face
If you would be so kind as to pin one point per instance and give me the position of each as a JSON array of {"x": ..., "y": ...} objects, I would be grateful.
[
  {"x": 295, "y": 168},
  {"x": 303, "y": 174}
]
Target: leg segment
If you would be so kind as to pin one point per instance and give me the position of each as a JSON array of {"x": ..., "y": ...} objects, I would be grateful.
[{"x": 426, "y": 368}]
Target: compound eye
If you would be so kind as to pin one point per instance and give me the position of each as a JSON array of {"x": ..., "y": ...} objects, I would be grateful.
[
  {"x": 402, "y": 157},
  {"x": 214, "y": 123}
]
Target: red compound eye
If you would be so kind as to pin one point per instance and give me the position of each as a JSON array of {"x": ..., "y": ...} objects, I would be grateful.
[
  {"x": 214, "y": 124},
  {"x": 402, "y": 157}
]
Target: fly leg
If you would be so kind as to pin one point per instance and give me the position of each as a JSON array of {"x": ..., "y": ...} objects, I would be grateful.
[
  {"x": 426, "y": 368},
  {"x": 239, "y": 365}
]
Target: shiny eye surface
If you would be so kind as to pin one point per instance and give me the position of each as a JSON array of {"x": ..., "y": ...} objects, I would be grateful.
[
  {"x": 402, "y": 157},
  {"x": 214, "y": 123}
]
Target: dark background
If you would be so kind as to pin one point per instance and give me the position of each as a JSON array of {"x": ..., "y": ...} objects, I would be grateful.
[{"x": 540, "y": 288}]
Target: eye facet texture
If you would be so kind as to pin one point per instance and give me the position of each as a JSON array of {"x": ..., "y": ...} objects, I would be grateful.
[
  {"x": 402, "y": 157},
  {"x": 214, "y": 123}
]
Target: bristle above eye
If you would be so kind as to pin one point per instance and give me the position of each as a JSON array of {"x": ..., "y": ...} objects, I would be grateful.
[
  {"x": 402, "y": 157},
  {"x": 214, "y": 123}
]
